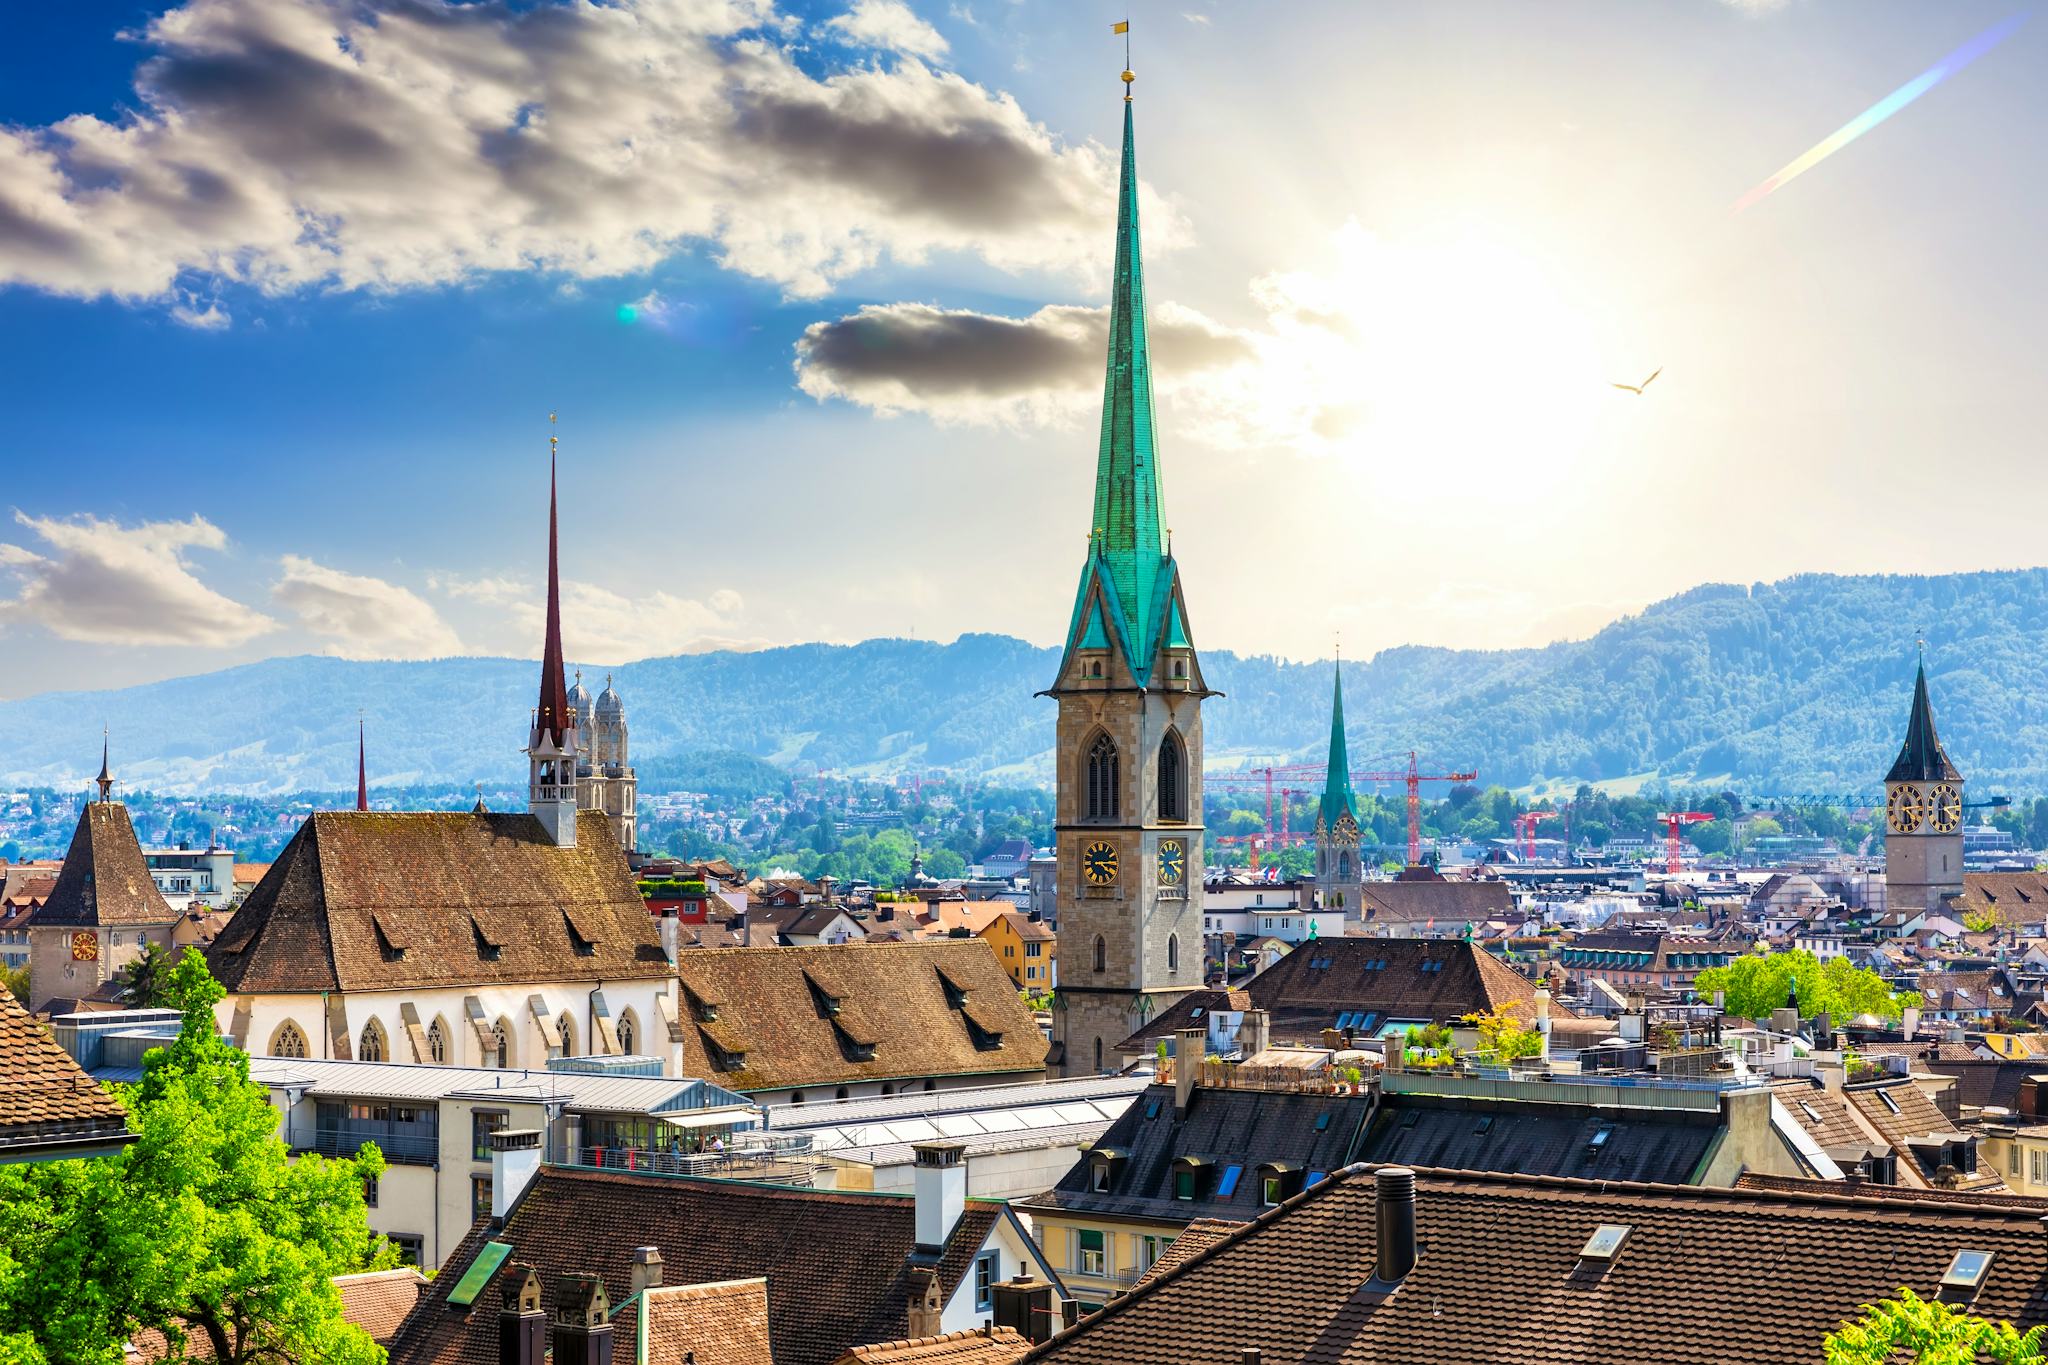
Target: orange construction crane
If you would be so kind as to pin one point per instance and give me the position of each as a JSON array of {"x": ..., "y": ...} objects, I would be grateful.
[
  {"x": 1414, "y": 777},
  {"x": 1525, "y": 830},
  {"x": 1673, "y": 822}
]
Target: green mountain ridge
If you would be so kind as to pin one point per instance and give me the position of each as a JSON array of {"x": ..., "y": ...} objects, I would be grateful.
[{"x": 1790, "y": 687}]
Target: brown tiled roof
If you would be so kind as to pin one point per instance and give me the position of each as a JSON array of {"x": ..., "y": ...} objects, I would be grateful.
[
  {"x": 1449, "y": 903},
  {"x": 105, "y": 880},
  {"x": 722, "y": 1323},
  {"x": 1705, "y": 1276},
  {"x": 1865, "y": 1189},
  {"x": 46, "y": 1098},
  {"x": 986, "y": 1346},
  {"x": 1390, "y": 978},
  {"x": 378, "y": 900},
  {"x": 1900, "y": 1112},
  {"x": 2014, "y": 898},
  {"x": 1822, "y": 1113},
  {"x": 1026, "y": 927},
  {"x": 916, "y": 1004},
  {"x": 1196, "y": 1237},
  {"x": 836, "y": 1264}
]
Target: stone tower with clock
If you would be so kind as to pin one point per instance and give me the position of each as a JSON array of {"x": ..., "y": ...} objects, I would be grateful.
[
  {"x": 1129, "y": 739},
  {"x": 1340, "y": 863},
  {"x": 1923, "y": 846}
]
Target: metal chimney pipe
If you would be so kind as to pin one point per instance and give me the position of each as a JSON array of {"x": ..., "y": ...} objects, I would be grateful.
[{"x": 1394, "y": 1220}]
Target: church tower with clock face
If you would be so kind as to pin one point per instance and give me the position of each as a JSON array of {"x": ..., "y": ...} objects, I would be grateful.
[
  {"x": 1923, "y": 811},
  {"x": 1129, "y": 740}
]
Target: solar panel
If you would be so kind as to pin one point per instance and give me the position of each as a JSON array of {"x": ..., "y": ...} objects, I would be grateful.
[{"x": 479, "y": 1273}]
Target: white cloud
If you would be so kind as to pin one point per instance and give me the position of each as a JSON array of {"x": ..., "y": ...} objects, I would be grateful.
[
  {"x": 1194, "y": 18},
  {"x": 211, "y": 318},
  {"x": 391, "y": 144},
  {"x": 104, "y": 583},
  {"x": 364, "y": 618},
  {"x": 891, "y": 26},
  {"x": 600, "y": 626}
]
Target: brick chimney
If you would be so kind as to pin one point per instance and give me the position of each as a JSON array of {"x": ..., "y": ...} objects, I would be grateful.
[
  {"x": 583, "y": 1330},
  {"x": 515, "y": 1156},
  {"x": 1255, "y": 1034},
  {"x": 940, "y": 1190},
  {"x": 1187, "y": 1061},
  {"x": 646, "y": 1268},
  {"x": 522, "y": 1326}
]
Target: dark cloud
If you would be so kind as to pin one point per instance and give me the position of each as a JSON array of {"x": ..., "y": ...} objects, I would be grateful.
[{"x": 967, "y": 365}]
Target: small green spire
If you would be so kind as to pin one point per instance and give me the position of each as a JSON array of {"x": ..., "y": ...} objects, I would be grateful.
[
  {"x": 1338, "y": 798},
  {"x": 1127, "y": 503}
]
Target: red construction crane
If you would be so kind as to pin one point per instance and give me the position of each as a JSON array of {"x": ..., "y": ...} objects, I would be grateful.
[
  {"x": 1414, "y": 777},
  {"x": 1525, "y": 830},
  {"x": 1673, "y": 822},
  {"x": 1263, "y": 778}
]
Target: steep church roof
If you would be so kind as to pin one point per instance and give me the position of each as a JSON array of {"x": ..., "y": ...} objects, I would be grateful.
[
  {"x": 384, "y": 900},
  {"x": 1921, "y": 758},
  {"x": 1338, "y": 798},
  {"x": 105, "y": 880}
]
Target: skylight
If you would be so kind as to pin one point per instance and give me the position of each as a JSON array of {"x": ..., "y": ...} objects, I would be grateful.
[
  {"x": 1600, "y": 1138},
  {"x": 1606, "y": 1242},
  {"x": 1322, "y": 1122},
  {"x": 1885, "y": 1097},
  {"x": 1967, "y": 1270},
  {"x": 1228, "y": 1185}
]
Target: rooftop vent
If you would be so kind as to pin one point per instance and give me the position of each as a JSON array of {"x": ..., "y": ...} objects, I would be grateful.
[{"x": 1606, "y": 1242}]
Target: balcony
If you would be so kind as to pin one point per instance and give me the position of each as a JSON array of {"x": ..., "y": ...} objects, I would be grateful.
[
  {"x": 412, "y": 1149},
  {"x": 775, "y": 1162}
]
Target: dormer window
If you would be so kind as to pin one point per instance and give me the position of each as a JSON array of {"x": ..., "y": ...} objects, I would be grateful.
[{"x": 485, "y": 949}]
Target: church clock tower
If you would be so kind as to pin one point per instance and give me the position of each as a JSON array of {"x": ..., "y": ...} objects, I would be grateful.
[
  {"x": 1340, "y": 867},
  {"x": 1129, "y": 739},
  {"x": 1923, "y": 813}
]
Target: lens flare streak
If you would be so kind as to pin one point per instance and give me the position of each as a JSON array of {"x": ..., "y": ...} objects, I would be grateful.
[{"x": 1886, "y": 107}]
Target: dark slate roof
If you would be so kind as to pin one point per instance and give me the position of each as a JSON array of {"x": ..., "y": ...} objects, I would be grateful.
[
  {"x": 1667, "y": 1146},
  {"x": 1416, "y": 978},
  {"x": 105, "y": 880},
  {"x": 1221, "y": 1129},
  {"x": 377, "y": 900},
  {"x": 47, "y": 1101},
  {"x": 836, "y": 1264},
  {"x": 1705, "y": 1276},
  {"x": 941, "y": 1007},
  {"x": 1921, "y": 758}
]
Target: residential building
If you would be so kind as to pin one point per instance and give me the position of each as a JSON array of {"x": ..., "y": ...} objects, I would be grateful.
[
  {"x": 1238, "y": 911},
  {"x": 841, "y": 1270},
  {"x": 1184, "y": 1151},
  {"x": 804, "y": 925},
  {"x": 1027, "y": 949},
  {"x": 1923, "y": 846},
  {"x": 1128, "y": 741},
  {"x": 787, "y": 1025},
  {"x": 1885, "y": 1129},
  {"x": 1421, "y": 903},
  {"x": 1397, "y": 1266},
  {"x": 1647, "y": 962},
  {"x": 193, "y": 876},
  {"x": 103, "y": 911},
  {"x": 50, "y": 1109}
]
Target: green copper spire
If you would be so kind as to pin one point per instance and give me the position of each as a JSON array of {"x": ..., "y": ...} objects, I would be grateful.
[
  {"x": 1127, "y": 531},
  {"x": 1338, "y": 797}
]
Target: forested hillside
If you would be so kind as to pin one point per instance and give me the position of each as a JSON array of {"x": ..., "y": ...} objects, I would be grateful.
[{"x": 1791, "y": 687}]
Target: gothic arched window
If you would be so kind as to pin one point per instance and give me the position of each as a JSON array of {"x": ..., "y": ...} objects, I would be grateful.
[
  {"x": 501, "y": 1043},
  {"x": 626, "y": 1033},
  {"x": 1173, "y": 777},
  {"x": 1098, "y": 1054},
  {"x": 1344, "y": 866},
  {"x": 568, "y": 1036},
  {"x": 1173, "y": 952},
  {"x": 371, "y": 1046},
  {"x": 1104, "y": 774},
  {"x": 288, "y": 1042},
  {"x": 1101, "y": 954},
  {"x": 437, "y": 1043}
]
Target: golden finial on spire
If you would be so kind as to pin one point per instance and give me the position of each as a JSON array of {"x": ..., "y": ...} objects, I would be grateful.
[
  {"x": 1125, "y": 28},
  {"x": 551, "y": 434}
]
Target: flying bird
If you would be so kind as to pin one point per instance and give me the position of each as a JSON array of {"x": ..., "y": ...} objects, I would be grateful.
[{"x": 1637, "y": 389}]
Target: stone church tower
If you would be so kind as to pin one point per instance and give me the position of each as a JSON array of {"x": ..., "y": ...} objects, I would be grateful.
[
  {"x": 1128, "y": 821},
  {"x": 605, "y": 780},
  {"x": 1923, "y": 810},
  {"x": 1340, "y": 870}
]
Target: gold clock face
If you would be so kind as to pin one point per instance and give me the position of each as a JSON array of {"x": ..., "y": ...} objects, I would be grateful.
[
  {"x": 1903, "y": 809},
  {"x": 85, "y": 946},
  {"x": 1098, "y": 863},
  {"x": 1173, "y": 861},
  {"x": 1945, "y": 808}
]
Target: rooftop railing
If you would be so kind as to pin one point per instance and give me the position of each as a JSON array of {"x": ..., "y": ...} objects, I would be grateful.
[{"x": 765, "y": 1166}]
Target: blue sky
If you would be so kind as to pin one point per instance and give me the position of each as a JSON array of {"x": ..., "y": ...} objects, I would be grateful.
[{"x": 1396, "y": 253}]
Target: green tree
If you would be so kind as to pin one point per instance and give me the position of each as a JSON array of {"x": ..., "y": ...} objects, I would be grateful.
[
  {"x": 143, "y": 982},
  {"x": 944, "y": 864},
  {"x": 15, "y": 979},
  {"x": 203, "y": 1228},
  {"x": 1930, "y": 1333},
  {"x": 1503, "y": 1038},
  {"x": 1757, "y": 983}
]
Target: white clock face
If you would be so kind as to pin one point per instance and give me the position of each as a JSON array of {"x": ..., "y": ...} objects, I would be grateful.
[{"x": 1904, "y": 809}]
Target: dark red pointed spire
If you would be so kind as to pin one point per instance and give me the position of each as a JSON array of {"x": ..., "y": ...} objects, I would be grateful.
[
  {"x": 362, "y": 770},
  {"x": 551, "y": 718}
]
